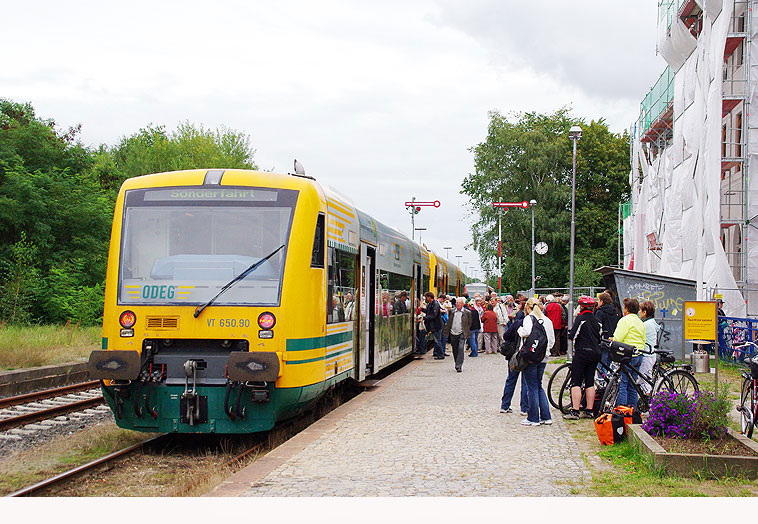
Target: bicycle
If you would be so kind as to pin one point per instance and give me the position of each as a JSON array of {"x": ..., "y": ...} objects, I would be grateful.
[
  {"x": 665, "y": 376},
  {"x": 749, "y": 394},
  {"x": 559, "y": 391},
  {"x": 558, "y": 378}
]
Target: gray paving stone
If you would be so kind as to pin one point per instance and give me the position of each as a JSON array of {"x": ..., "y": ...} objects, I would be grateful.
[{"x": 435, "y": 432}]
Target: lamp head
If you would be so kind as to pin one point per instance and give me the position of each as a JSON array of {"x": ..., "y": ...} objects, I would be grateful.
[
  {"x": 532, "y": 202},
  {"x": 575, "y": 133}
]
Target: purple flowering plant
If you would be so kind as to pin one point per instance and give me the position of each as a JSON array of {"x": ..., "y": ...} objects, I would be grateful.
[{"x": 701, "y": 415}]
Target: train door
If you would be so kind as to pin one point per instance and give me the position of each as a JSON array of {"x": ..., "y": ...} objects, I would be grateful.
[
  {"x": 418, "y": 298},
  {"x": 368, "y": 311}
]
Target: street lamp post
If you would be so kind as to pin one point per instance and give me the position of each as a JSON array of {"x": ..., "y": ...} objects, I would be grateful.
[
  {"x": 532, "y": 203},
  {"x": 419, "y": 229},
  {"x": 575, "y": 133}
]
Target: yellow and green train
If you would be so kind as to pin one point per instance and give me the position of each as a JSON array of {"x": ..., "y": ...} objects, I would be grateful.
[{"x": 235, "y": 299}]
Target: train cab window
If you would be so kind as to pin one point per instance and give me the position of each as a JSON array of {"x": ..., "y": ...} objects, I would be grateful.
[
  {"x": 341, "y": 286},
  {"x": 182, "y": 245},
  {"x": 317, "y": 257}
]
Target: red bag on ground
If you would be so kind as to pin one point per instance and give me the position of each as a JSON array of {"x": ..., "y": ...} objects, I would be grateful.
[{"x": 610, "y": 428}]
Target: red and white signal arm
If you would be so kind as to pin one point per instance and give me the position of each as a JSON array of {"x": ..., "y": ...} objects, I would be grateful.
[
  {"x": 523, "y": 205},
  {"x": 435, "y": 203}
]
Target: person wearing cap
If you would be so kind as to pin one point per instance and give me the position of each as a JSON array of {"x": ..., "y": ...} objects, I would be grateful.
[
  {"x": 585, "y": 333},
  {"x": 719, "y": 306}
]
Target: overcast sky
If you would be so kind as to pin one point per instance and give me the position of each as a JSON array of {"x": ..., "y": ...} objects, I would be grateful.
[{"x": 381, "y": 100}]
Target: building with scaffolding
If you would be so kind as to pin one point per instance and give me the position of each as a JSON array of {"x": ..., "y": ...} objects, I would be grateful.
[{"x": 694, "y": 174}]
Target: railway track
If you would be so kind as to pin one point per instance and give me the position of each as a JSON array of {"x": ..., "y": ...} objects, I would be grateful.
[
  {"x": 110, "y": 473},
  {"x": 43, "y": 405},
  {"x": 161, "y": 442},
  {"x": 89, "y": 466}
]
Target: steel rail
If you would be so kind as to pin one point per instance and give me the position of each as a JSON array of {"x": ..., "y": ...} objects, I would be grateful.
[
  {"x": 28, "y": 418},
  {"x": 47, "y": 393},
  {"x": 25, "y": 492}
]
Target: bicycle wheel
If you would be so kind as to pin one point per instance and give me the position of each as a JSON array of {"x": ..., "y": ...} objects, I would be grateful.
[
  {"x": 682, "y": 382},
  {"x": 746, "y": 408},
  {"x": 564, "y": 398},
  {"x": 560, "y": 376},
  {"x": 663, "y": 384},
  {"x": 608, "y": 402}
]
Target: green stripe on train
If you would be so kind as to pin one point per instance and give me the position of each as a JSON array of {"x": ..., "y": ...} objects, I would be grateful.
[{"x": 304, "y": 344}]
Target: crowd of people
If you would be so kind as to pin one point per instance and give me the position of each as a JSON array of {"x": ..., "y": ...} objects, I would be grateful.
[{"x": 487, "y": 321}]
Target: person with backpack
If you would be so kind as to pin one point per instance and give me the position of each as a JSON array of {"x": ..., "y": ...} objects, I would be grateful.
[
  {"x": 585, "y": 333},
  {"x": 537, "y": 338},
  {"x": 511, "y": 334}
]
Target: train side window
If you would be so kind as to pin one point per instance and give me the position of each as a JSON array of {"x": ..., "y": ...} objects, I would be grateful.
[
  {"x": 317, "y": 257},
  {"x": 341, "y": 286}
]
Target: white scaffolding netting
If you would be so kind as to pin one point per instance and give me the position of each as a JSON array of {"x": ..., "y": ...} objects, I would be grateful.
[{"x": 675, "y": 226}]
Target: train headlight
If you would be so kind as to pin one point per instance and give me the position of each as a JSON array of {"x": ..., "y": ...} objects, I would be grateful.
[
  {"x": 266, "y": 321},
  {"x": 127, "y": 319}
]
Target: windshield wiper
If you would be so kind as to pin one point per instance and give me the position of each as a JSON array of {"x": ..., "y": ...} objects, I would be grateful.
[{"x": 235, "y": 280}]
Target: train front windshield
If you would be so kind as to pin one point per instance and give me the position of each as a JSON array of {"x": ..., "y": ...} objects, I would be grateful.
[{"x": 180, "y": 246}]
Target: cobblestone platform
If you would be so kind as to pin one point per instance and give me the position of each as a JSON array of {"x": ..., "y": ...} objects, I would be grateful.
[{"x": 431, "y": 432}]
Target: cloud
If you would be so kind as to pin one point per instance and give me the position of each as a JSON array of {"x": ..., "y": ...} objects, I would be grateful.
[
  {"x": 606, "y": 49},
  {"x": 381, "y": 100}
]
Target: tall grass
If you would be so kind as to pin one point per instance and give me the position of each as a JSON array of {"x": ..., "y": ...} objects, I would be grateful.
[{"x": 31, "y": 346}]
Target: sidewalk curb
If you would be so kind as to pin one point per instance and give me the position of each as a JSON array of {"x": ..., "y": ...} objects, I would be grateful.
[{"x": 26, "y": 380}]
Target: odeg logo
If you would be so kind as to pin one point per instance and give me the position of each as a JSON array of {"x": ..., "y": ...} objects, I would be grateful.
[{"x": 154, "y": 292}]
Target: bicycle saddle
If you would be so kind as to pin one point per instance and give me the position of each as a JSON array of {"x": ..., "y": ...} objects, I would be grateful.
[{"x": 666, "y": 356}]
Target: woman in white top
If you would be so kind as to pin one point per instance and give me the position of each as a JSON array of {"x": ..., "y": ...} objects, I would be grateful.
[
  {"x": 539, "y": 409},
  {"x": 647, "y": 314}
]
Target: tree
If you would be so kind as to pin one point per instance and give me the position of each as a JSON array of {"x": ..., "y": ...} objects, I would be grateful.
[
  {"x": 529, "y": 156},
  {"x": 153, "y": 150},
  {"x": 57, "y": 199}
]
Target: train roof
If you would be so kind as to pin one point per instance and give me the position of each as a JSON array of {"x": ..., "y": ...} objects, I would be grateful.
[{"x": 348, "y": 224}]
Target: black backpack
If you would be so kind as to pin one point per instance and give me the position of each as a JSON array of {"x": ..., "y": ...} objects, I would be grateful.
[{"x": 535, "y": 345}]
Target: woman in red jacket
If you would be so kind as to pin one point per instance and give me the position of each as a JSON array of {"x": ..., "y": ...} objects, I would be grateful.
[{"x": 489, "y": 327}]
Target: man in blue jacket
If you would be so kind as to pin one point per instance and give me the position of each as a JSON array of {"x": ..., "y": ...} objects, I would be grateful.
[{"x": 433, "y": 323}]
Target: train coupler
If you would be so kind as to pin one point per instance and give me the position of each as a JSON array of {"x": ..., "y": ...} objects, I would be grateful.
[{"x": 193, "y": 408}]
